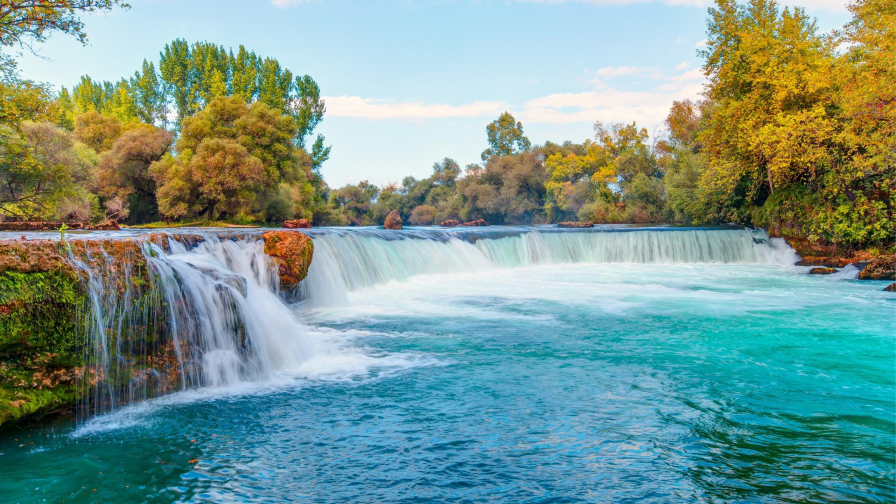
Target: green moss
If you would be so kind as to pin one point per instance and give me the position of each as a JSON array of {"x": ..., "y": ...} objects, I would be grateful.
[
  {"x": 38, "y": 335},
  {"x": 38, "y": 312}
]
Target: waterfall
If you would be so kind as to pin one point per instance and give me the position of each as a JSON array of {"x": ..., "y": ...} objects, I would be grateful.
[
  {"x": 183, "y": 316},
  {"x": 348, "y": 260},
  {"x": 206, "y": 311}
]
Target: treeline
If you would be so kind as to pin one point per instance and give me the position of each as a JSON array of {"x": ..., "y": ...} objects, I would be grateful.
[
  {"x": 212, "y": 134},
  {"x": 795, "y": 134}
]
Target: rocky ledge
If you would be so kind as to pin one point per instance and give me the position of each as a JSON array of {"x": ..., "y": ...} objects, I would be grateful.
[
  {"x": 879, "y": 268},
  {"x": 292, "y": 251},
  {"x": 44, "y": 296}
]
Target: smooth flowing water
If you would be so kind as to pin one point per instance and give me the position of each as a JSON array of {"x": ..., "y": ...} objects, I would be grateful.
[{"x": 502, "y": 365}]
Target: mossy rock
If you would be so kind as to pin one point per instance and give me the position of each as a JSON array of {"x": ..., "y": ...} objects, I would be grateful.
[
  {"x": 39, "y": 313},
  {"x": 292, "y": 251}
]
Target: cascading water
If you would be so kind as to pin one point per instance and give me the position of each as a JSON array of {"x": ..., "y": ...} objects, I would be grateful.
[
  {"x": 188, "y": 315},
  {"x": 349, "y": 260},
  {"x": 207, "y": 315}
]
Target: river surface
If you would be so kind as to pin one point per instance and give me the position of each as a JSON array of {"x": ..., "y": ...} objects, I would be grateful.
[{"x": 668, "y": 378}]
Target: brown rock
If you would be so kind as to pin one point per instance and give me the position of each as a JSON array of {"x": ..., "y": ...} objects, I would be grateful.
[
  {"x": 822, "y": 271},
  {"x": 297, "y": 224},
  {"x": 450, "y": 223},
  {"x": 890, "y": 288},
  {"x": 292, "y": 251},
  {"x": 393, "y": 220},
  {"x": 477, "y": 222},
  {"x": 109, "y": 225},
  {"x": 575, "y": 225},
  {"x": 880, "y": 268},
  {"x": 30, "y": 226},
  {"x": 827, "y": 262}
]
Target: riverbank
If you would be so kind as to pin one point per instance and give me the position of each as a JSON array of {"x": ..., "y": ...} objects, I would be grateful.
[{"x": 48, "y": 291}]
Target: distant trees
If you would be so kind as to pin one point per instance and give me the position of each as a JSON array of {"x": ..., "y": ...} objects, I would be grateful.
[
  {"x": 795, "y": 132},
  {"x": 505, "y": 137}
]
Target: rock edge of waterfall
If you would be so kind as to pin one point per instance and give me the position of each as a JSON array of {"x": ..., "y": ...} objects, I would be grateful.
[{"x": 44, "y": 295}]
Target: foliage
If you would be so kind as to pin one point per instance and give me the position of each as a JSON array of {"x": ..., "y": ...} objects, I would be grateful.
[
  {"x": 791, "y": 114},
  {"x": 505, "y": 137},
  {"x": 230, "y": 157},
  {"x": 123, "y": 175}
]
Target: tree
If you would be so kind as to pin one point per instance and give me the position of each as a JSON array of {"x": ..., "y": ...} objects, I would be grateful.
[
  {"x": 149, "y": 95},
  {"x": 25, "y": 100},
  {"x": 800, "y": 136},
  {"x": 26, "y": 22},
  {"x": 232, "y": 158},
  {"x": 124, "y": 176},
  {"x": 505, "y": 137},
  {"x": 97, "y": 131},
  {"x": 446, "y": 172},
  {"x": 355, "y": 201},
  {"x": 45, "y": 174},
  {"x": 175, "y": 70}
]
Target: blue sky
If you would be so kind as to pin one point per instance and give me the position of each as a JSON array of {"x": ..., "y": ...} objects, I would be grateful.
[{"x": 408, "y": 82}]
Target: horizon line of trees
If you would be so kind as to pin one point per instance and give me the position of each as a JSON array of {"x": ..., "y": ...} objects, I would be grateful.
[{"x": 795, "y": 133}]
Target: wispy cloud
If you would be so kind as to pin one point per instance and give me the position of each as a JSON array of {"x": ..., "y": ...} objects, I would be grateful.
[
  {"x": 370, "y": 108},
  {"x": 287, "y": 3},
  {"x": 605, "y": 103},
  {"x": 614, "y": 71},
  {"x": 812, "y": 5},
  {"x": 610, "y": 104}
]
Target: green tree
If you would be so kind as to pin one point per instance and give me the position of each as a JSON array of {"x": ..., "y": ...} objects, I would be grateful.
[
  {"x": 175, "y": 70},
  {"x": 123, "y": 175},
  {"x": 505, "y": 137},
  {"x": 150, "y": 99}
]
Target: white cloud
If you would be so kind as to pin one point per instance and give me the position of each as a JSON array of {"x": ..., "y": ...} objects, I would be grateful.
[
  {"x": 613, "y": 71},
  {"x": 606, "y": 103},
  {"x": 370, "y": 108},
  {"x": 702, "y": 44},
  {"x": 287, "y": 3},
  {"x": 647, "y": 108},
  {"x": 684, "y": 64},
  {"x": 811, "y": 5}
]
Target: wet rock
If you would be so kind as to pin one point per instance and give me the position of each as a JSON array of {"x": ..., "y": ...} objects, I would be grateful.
[
  {"x": 297, "y": 224},
  {"x": 450, "y": 223},
  {"x": 30, "y": 226},
  {"x": 822, "y": 271},
  {"x": 880, "y": 268},
  {"x": 393, "y": 220},
  {"x": 477, "y": 222},
  {"x": 575, "y": 225},
  {"x": 890, "y": 288},
  {"x": 292, "y": 251},
  {"x": 109, "y": 225}
]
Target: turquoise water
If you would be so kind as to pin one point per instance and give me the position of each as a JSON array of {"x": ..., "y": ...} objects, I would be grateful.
[{"x": 582, "y": 382}]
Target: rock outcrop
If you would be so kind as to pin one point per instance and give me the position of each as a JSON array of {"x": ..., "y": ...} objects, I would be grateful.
[
  {"x": 393, "y": 221},
  {"x": 297, "y": 224},
  {"x": 35, "y": 226},
  {"x": 822, "y": 271},
  {"x": 449, "y": 223},
  {"x": 43, "y": 298},
  {"x": 292, "y": 251},
  {"x": 890, "y": 288},
  {"x": 575, "y": 225},
  {"x": 880, "y": 268},
  {"x": 109, "y": 225},
  {"x": 477, "y": 222}
]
